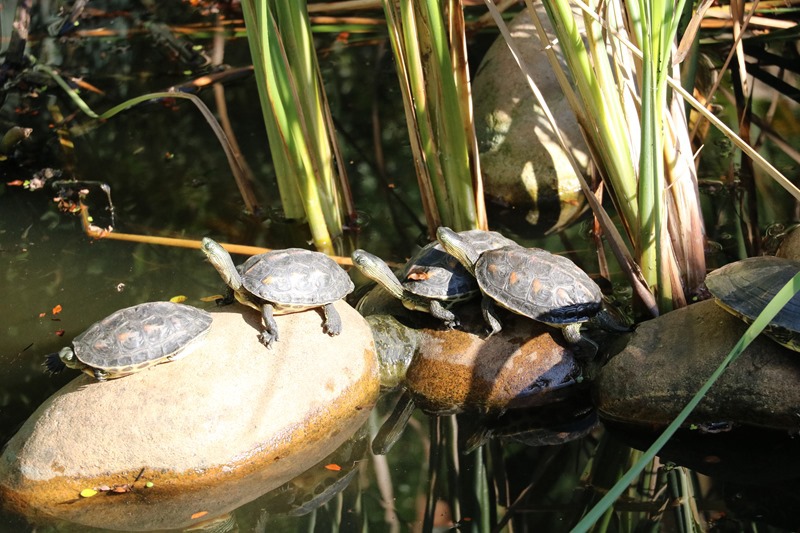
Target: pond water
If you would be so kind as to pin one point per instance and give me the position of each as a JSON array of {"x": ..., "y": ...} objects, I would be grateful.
[{"x": 168, "y": 176}]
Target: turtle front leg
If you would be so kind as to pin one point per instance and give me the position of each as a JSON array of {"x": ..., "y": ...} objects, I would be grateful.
[
  {"x": 333, "y": 322},
  {"x": 489, "y": 311},
  {"x": 269, "y": 333},
  {"x": 445, "y": 315},
  {"x": 229, "y": 298}
]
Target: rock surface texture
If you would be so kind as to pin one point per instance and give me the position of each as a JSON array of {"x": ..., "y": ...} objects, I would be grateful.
[
  {"x": 523, "y": 365},
  {"x": 227, "y": 423},
  {"x": 669, "y": 358}
]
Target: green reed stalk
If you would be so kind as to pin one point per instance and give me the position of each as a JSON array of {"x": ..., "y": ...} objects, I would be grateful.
[
  {"x": 293, "y": 105},
  {"x": 439, "y": 125}
]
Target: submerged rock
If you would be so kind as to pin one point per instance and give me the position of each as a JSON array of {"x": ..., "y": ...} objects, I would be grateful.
[
  {"x": 210, "y": 432},
  {"x": 669, "y": 358}
]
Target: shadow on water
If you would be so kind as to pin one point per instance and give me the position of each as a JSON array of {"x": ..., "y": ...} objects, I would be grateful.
[{"x": 168, "y": 176}]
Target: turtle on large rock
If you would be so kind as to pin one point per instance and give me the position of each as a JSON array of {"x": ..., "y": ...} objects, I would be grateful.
[
  {"x": 283, "y": 281},
  {"x": 132, "y": 339}
]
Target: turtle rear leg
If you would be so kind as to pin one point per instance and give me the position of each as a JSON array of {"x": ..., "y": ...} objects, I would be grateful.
[
  {"x": 490, "y": 315},
  {"x": 333, "y": 322},
  {"x": 445, "y": 315},
  {"x": 269, "y": 332}
]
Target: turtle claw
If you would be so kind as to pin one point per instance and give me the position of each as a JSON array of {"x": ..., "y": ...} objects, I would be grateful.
[
  {"x": 267, "y": 338},
  {"x": 53, "y": 363}
]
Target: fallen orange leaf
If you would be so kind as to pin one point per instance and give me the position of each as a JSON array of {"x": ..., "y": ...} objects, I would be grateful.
[
  {"x": 57, "y": 309},
  {"x": 333, "y": 467},
  {"x": 15, "y": 183},
  {"x": 199, "y": 514},
  {"x": 42, "y": 315},
  {"x": 60, "y": 332}
]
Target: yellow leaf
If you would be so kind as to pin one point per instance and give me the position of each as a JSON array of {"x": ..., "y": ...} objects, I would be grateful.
[
  {"x": 212, "y": 298},
  {"x": 88, "y": 493},
  {"x": 178, "y": 299}
]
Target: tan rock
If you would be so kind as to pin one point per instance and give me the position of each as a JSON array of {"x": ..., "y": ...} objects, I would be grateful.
[
  {"x": 525, "y": 364},
  {"x": 669, "y": 358},
  {"x": 212, "y": 431}
]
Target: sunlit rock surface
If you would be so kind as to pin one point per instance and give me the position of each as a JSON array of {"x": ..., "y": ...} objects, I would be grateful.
[
  {"x": 522, "y": 163},
  {"x": 669, "y": 358},
  {"x": 523, "y": 365},
  {"x": 212, "y": 431}
]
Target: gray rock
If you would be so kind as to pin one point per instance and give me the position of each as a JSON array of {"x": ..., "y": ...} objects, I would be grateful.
[
  {"x": 212, "y": 431},
  {"x": 669, "y": 358},
  {"x": 523, "y": 164}
]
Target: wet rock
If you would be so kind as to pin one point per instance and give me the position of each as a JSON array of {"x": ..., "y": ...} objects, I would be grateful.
[
  {"x": 210, "y": 432},
  {"x": 525, "y": 364},
  {"x": 395, "y": 345},
  {"x": 523, "y": 165},
  {"x": 669, "y": 358}
]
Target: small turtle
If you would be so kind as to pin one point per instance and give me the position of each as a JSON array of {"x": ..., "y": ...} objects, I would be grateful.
[
  {"x": 283, "y": 281},
  {"x": 432, "y": 280},
  {"x": 531, "y": 282},
  {"x": 744, "y": 288},
  {"x": 132, "y": 339}
]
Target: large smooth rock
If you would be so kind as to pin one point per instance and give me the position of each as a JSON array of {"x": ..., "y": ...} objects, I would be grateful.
[
  {"x": 669, "y": 358},
  {"x": 212, "y": 431},
  {"x": 523, "y": 164}
]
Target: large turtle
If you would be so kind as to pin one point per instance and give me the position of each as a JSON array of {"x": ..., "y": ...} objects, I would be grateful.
[
  {"x": 744, "y": 288},
  {"x": 531, "y": 282},
  {"x": 283, "y": 281},
  {"x": 432, "y": 280},
  {"x": 132, "y": 339}
]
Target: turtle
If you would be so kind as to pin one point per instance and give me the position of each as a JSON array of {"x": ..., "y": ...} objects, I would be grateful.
[
  {"x": 531, "y": 282},
  {"x": 432, "y": 280},
  {"x": 744, "y": 288},
  {"x": 132, "y": 339},
  {"x": 283, "y": 281}
]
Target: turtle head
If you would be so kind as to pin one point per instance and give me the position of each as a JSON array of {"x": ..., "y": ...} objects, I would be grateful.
[
  {"x": 375, "y": 269},
  {"x": 221, "y": 260},
  {"x": 458, "y": 247}
]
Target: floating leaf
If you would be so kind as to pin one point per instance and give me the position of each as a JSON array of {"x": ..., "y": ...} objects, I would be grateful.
[
  {"x": 88, "y": 493},
  {"x": 199, "y": 514},
  {"x": 15, "y": 183},
  {"x": 57, "y": 309},
  {"x": 333, "y": 467},
  {"x": 42, "y": 315},
  {"x": 149, "y": 484},
  {"x": 60, "y": 332},
  {"x": 212, "y": 298},
  {"x": 178, "y": 299}
]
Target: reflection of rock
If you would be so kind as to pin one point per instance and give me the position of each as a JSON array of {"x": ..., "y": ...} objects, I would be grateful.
[
  {"x": 211, "y": 432},
  {"x": 459, "y": 370},
  {"x": 523, "y": 164},
  {"x": 669, "y": 358}
]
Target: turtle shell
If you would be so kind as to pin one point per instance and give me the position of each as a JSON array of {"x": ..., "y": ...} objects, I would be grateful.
[
  {"x": 433, "y": 273},
  {"x": 537, "y": 284},
  {"x": 745, "y": 287},
  {"x": 140, "y": 336},
  {"x": 295, "y": 277}
]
